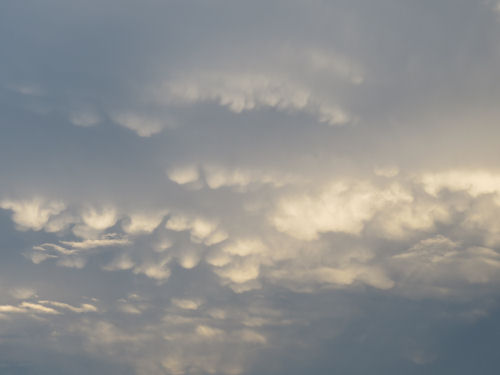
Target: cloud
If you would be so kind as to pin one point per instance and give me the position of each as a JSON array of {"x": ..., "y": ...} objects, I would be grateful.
[
  {"x": 311, "y": 280},
  {"x": 239, "y": 272},
  {"x": 496, "y": 7},
  {"x": 85, "y": 307},
  {"x": 121, "y": 262},
  {"x": 102, "y": 242},
  {"x": 245, "y": 91},
  {"x": 159, "y": 272},
  {"x": 475, "y": 182},
  {"x": 38, "y": 258},
  {"x": 188, "y": 257},
  {"x": 143, "y": 125},
  {"x": 244, "y": 247},
  {"x": 11, "y": 309},
  {"x": 247, "y": 335},
  {"x": 343, "y": 206},
  {"x": 32, "y": 214},
  {"x": 23, "y": 292},
  {"x": 38, "y": 308},
  {"x": 27, "y": 89},
  {"x": 446, "y": 265},
  {"x": 184, "y": 174},
  {"x": 72, "y": 262},
  {"x": 53, "y": 247},
  {"x": 130, "y": 309},
  {"x": 386, "y": 171},
  {"x": 267, "y": 86},
  {"x": 240, "y": 178},
  {"x": 186, "y": 304},
  {"x": 84, "y": 118},
  {"x": 201, "y": 229},
  {"x": 99, "y": 219},
  {"x": 249, "y": 187}
]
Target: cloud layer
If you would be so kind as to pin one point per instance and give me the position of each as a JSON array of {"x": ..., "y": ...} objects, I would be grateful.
[{"x": 249, "y": 187}]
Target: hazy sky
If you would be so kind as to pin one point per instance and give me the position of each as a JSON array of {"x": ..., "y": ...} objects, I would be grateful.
[{"x": 249, "y": 187}]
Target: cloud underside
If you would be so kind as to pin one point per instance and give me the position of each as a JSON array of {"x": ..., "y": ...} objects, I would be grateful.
[
  {"x": 329, "y": 236},
  {"x": 191, "y": 188},
  {"x": 429, "y": 235}
]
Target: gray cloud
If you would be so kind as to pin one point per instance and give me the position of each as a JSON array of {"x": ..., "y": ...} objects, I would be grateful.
[{"x": 249, "y": 187}]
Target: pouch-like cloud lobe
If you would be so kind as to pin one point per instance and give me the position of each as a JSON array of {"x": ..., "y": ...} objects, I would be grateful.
[{"x": 265, "y": 187}]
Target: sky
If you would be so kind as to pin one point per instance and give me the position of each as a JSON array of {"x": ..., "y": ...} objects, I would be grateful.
[{"x": 249, "y": 187}]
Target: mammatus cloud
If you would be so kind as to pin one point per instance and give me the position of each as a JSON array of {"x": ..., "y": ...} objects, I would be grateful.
[
  {"x": 84, "y": 118},
  {"x": 268, "y": 86},
  {"x": 32, "y": 214},
  {"x": 217, "y": 176},
  {"x": 300, "y": 218},
  {"x": 248, "y": 188},
  {"x": 184, "y": 174},
  {"x": 312, "y": 238},
  {"x": 143, "y": 125},
  {"x": 248, "y": 91}
]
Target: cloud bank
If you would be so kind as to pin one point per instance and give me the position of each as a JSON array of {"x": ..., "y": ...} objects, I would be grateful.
[{"x": 249, "y": 187}]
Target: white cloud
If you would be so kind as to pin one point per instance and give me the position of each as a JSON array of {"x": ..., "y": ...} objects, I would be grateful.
[
  {"x": 216, "y": 237},
  {"x": 279, "y": 227},
  {"x": 218, "y": 258},
  {"x": 38, "y": 308},
  {"x": 240, "y": 271},
  {"x": 162, "y": 244},
  {"x": 32, "y": 214},
  {"x": 143, "y": 125},
  {"x": 84, "y": 308},
  {"x": 201, "y": 229},
  {"x": 188, "y": 258},
  {"x": 343, "y": 206},
  {"x": 60, "y": 222},
  {"x": 244, "y": 247},
  {"x": 157, "y": 271},
  {"x": 186, "y": 304},
  {"x": 264, "y": 86},
  {"x": 178, "y": 223},
  {"x": 54, "y": 248},
  {"x": 101, "y": 242},
  {"x": 240, "y": 178},
  {"x": 184, "y": 174},
  {"x": 245, "y": 91},
  {"x": 210, "y": 333},
  {"x": 12, "y": 309},
  {"x": 99, "y": 219},
  {"x": 411, "y": 216},
  {"x": 475, "y": 182}
]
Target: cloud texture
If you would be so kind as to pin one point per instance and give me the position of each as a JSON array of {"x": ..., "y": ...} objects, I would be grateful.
[{"x": 264, "y": 187}]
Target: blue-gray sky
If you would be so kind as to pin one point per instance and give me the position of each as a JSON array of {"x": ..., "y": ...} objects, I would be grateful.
[{"x": 249, "y": 187}]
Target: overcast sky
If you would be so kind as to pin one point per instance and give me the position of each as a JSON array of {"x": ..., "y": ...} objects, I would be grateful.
[{"x": 264, "y": 187}]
